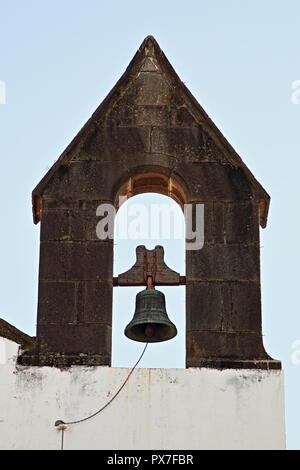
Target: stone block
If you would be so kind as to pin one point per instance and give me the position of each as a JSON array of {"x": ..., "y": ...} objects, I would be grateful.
[
  {"x": 71, "y": 261},
  {"x": 55, "y": 225},
  {"x": 223, "y": 306},
  {"x": 181, "y": 117},
  {"x": 246, "y": 306},
  {"x": 83, "y": 223},
  {"x": 209, "y": 181},
  {"x": 224, "y": 263},
  {"x": 242, "y": 222},
  {"x": 189, "y": 144},
  {"x": 214, "y": 222},
  {"x": 135, "y": 116},
  {"x": 75, "y": 339},
  {"x": 152, "y": 89},
  {"x": 224, "y": 345},
  {"x": 94, "y": 302},
  {"x": 86, "y": 180},
  {"x": 208, "y": 305},
  {"x": 57, "y": 302}
]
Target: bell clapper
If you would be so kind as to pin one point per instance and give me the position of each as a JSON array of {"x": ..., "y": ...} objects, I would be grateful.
[
  {"x": 149, "y": 331},
  {"x": 150, "y": 282}
]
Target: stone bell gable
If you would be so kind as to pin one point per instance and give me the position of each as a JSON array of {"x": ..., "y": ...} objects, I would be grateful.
[{"x": 150, "y": 135}]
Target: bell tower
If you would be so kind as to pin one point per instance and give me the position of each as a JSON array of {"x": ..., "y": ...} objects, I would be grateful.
[{"x": 150, "y": 134}]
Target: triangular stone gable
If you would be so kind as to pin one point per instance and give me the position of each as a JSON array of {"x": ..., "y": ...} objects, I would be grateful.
[
  {"x": 150, "y": 100},
  {"x": 151, "y": 112}
]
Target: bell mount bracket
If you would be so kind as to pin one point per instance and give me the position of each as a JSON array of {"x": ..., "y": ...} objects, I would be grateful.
[{"x": 149, "y": 269}]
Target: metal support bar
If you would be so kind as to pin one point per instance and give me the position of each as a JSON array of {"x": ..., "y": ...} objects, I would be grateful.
[{"x": 182, "y": 282}]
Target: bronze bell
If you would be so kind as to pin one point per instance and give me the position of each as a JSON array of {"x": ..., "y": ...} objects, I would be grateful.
[{"x": 150, "y": 323}]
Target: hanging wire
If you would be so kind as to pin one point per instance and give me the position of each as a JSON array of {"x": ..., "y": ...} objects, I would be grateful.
[
  {"x": 62, "y": 438},
  {"x": 62, "y": 424}
]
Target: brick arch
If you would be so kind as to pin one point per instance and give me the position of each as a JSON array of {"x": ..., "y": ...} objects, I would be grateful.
[{"x": 153, "y": 181}]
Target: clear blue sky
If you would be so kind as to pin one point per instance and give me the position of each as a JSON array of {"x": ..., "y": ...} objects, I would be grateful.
[{"x": 59, "y": 59}]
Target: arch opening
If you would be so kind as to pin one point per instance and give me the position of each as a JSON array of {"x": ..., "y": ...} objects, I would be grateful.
[{"x": 151, "y": 220}]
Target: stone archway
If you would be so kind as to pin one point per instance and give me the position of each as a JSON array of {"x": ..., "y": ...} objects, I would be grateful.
[{"x": 144, "y": 207}]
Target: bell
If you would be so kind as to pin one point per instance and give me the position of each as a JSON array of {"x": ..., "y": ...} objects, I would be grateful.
[{"x": 150, "y": 323}]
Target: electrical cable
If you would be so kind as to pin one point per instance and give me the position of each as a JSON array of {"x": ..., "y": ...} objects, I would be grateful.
[
  {"x": 63, "y": 423},
  {"x": 62, "y": 439}
]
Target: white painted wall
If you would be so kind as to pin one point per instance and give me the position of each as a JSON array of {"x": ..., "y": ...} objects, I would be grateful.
[{"x": 158, "y": 408}]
